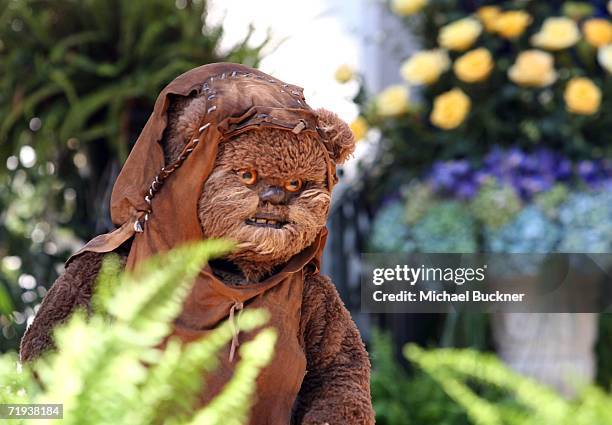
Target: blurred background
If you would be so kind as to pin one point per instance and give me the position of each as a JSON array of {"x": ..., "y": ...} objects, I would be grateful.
[{"x": 482, "y": 127}]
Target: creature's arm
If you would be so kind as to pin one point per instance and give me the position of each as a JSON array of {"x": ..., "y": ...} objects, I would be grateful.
[
  {"x": 336, "y": 388},
  {"x": 71, "y": 290}
]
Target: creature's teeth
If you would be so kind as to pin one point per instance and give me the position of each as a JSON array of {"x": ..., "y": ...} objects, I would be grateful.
[{"x": 261, "y": 220}]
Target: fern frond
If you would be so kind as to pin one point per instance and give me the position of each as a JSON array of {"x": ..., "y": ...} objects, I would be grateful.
[{"x": 231, "y": 406}]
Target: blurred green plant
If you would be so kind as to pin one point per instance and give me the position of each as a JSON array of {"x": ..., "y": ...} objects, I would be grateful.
[
  {"x": 495, "y": 204},
  {"x": 466, "y": 376},
  {"x": 90, "y": 70},
  {"x": 108, "y": 367},
  {"x": 604, "y": 351},
  {"x": 400, "y": 398},
  {"x": 550, "y": 200},
  {"x": 78, "y": 80}
]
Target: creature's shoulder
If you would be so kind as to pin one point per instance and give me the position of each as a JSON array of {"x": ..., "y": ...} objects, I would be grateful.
[
  {"x": 319, "y": 294},
  {"x": 83, "y": 269}
]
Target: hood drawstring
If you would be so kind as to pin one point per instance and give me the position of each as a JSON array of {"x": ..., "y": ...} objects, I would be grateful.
[{"x": 234, "y": 320}]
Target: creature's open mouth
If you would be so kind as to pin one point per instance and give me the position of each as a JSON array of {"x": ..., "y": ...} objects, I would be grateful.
[{"x": 266, "y": 220}]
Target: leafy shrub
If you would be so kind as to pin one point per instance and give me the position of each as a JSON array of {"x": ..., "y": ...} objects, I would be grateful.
[
  {"x": 78, "y": 80},
  {"x": 400, "y": 398},
  {"x": 604, "y": 351}
]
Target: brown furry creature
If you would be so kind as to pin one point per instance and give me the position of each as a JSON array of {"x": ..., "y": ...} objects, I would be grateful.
[{"x": 269, "y": 190}]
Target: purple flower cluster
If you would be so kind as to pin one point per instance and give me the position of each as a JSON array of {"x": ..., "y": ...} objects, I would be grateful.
[
  {"x": 455, "y": 178},
  {"x": 528, "y": 173},
  {"x": 595, "y": 173}
]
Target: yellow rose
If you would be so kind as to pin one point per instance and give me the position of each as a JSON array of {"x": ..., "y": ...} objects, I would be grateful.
[
  {"x": 512, "y": 24},
  {"x": 359, "y": 127},
  {"x": 488, "y": 16},
  {"x": 425, "y": 67},
  {"x": 474, "y": 66},
  {"x": 394, "y": 100},
  {"x": 597, "y": 31},
  {"x": 556, "y": 34},
  {"x": 533, "y": 68},
  {"x": 407, "y": 7},
  {"x": 604, "y": 57},
  {"x": 459, "y": 35},
  {"x": 344, "y": 74},
  {"x": 582, "y": 96},
  {"x": 450, "y": 109}
]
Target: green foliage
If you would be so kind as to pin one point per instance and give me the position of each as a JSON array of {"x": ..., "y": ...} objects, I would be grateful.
[
  {"x": 78, "y": 80},
  {"x": 550, "y": 200},
  {"x": 604, "y": 351},
  {"x": 403, "y": 399},
  {"x": 109, "y": 369},
  {"x": 465, "y": 374},
  {"x": 87, "y": 69},
  {"x": 466, "y": 329}
]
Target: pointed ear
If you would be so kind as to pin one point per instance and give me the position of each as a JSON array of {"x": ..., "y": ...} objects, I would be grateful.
[
  {"x": 183, "y": 116},
  {"x": 337, "y": 134}
]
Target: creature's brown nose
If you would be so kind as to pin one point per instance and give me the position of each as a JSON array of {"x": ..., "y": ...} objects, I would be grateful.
[{"x": 273, "y": 194}]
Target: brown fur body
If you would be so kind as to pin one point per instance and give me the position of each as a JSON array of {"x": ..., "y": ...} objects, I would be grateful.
[{"x": 336, "y": 388}]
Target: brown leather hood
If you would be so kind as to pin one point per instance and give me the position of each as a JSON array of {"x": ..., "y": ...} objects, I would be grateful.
[{"x": 152, "y": 197}]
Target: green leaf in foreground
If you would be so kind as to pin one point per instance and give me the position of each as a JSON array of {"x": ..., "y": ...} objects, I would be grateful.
[
  {"x": 521, "y": 401},
  {"x": 108, "y": 367}
]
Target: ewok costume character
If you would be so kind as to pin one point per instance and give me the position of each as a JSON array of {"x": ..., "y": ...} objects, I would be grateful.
[{"x": 234, "y": 153}]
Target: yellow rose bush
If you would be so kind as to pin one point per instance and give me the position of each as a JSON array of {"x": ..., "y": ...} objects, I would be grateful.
[
  {"x": 597, "y": 32},
  {"x": 392, "y": 101},
  {"x": 522, "y": 74},
  {"x": 407, "y": 7},
  {"x": 344, "y": 74},
  {"x": 604, "y": 57},
  {"x": 582, "y": 96},
  {"x": 359, "y": 127},
  {"x": 556, "y": 34},
  {"x": 425, "y": 67},
  {"x": 512, "y": 24},
  {"x": 450, "y": 109},
  {"x": 474, "y": 66},
  {"x": 488, "y": 15},
  {"x": 460, "y": 35},
  {"x": 533, "y": 68},
  {"x": 503, "y": 119}
]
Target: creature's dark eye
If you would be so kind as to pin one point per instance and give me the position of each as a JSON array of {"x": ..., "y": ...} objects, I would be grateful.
[
  {"x": 293, "y": 185},
  {"x": 248, "y": 176}
]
